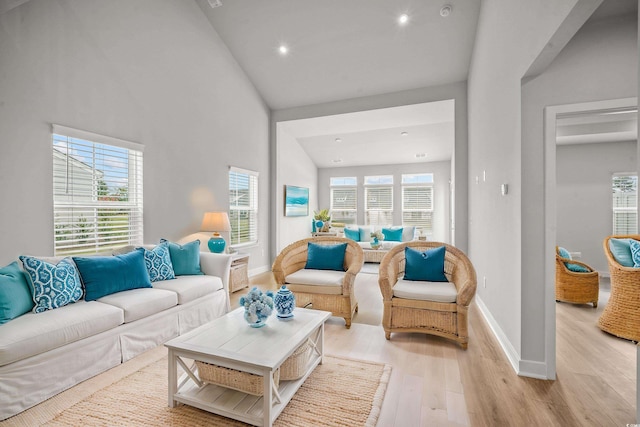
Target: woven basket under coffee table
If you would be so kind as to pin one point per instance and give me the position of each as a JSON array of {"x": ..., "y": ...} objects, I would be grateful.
[
  {"x": 296, "y": 365},
  {"x": 374, "y": 255},
  {"x": 237, "y": 380}
]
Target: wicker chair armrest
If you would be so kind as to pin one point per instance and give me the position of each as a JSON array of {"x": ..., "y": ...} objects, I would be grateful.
[
  {"x": 290, "y": 260},
  {"x": 388, "y": 273},
  {"x": 464, "y": 277}
]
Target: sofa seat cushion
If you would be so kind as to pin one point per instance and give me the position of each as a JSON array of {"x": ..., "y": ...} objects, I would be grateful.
[
  {"x": 385, "y": 244},
  {"x": 316, "y": 281},
  {"x": 143, "y": 302},
  {"x": 189, "y": 288},
  {"x": 426, "y": 291},
  {"x": 35, "y": 333}
]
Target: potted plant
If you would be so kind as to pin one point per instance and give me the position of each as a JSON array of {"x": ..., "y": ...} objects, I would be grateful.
[{"x": 322, "y": 220}]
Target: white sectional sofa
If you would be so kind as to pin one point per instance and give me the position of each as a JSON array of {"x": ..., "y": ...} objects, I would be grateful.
[
  {"x": 409, "y": 233},
  {"x": 42, "y": 354}
]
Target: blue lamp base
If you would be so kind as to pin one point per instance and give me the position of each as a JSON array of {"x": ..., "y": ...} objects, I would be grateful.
[{"x": 216, "y": 244}]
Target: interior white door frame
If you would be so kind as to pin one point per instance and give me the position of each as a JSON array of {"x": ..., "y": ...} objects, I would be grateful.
[{"x": 551, "y": 114}]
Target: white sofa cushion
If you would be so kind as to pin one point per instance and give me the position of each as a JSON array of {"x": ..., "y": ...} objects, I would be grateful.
[
  {"x": 190, "y": 288},
  {"x": 316, "y": 281},
  {"x": 408, "y": 233},
  {"x": 32, "y": 334},
  {"x": 426, "y": 291},
  {"x": 143, "y": 302}
]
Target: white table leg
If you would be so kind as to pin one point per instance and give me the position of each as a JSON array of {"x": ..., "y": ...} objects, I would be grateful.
[
  {"x": 267, "y": 399},
  {"x": 173, "y": 378},
  {"x": 321, "y": 343}
]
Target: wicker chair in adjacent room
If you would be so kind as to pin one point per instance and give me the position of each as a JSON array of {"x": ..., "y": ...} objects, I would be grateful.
[
  {"x": 621, "y": 315},
  {"x": 341, "y": 300},
  {"x": 448, "y": 320},
  {"x": 575, "y": 287}
]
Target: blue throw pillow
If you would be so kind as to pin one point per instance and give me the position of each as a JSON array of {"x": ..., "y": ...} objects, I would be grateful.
[
  {"x": 427, "y": 266},
  {"x": 634, "y": 245},
  {"x": 621, "y": 251},
  {"x": 353, "y": 234},
  {"x": 105, "y": 275},
  {"x": 185, "y": 258},
  {"x": 158, "y": 263},
  {"x": 15, "y": 296},
  {"x": 325, "y": 257},
  {"x": 392, "y": 234},
  {"x": 52, "y": 285},
  {"x": 572, "y": 267}
]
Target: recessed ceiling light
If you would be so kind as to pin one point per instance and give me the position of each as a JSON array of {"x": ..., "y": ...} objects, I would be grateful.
[
  {"x": 446, "y": 10},
  {"x": 420, "y": 155},
  {"x": 336, "y": 161},
  {"x": 403, "y": 19},
  {"x": 338, "y": 140},
  {"x": 404, "y": 133},
  {"x": 283, "y": 49}
]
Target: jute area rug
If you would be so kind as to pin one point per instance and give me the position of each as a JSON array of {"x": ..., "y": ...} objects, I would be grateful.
[{"x": 340, "y": 392}]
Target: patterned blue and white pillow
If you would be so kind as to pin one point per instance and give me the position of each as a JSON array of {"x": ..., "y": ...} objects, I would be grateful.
[
  {"x": 54, "y": 285},
  {"x": 635, "y": 252},
  {"x": 158, "y": 262}
]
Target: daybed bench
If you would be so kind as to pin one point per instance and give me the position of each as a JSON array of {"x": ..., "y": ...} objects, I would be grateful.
[{"x": 44, "y": 353}]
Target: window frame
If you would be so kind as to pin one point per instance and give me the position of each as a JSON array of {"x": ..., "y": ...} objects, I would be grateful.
[
  {"x": 405, "y": 184},
  {"x": 351, "y": 184},
  {"x": 388, "y": 212},
  {"x": 251, "y": 207}
]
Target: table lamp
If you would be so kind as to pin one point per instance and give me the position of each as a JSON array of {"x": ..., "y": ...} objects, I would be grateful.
[{"x": 216, "y": 222}]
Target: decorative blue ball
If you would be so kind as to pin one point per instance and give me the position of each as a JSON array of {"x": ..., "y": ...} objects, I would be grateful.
[{"x": 284, "y": 301}]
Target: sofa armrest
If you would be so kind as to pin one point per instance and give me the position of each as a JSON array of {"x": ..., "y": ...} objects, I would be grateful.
[{"x": 219, "y": 265}]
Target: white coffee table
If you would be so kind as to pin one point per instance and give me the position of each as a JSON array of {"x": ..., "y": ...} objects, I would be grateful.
[{"x": 230, "y": 342}]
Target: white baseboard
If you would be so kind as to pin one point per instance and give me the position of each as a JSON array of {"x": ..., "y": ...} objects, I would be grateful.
[{"x": 525, "y": 368}]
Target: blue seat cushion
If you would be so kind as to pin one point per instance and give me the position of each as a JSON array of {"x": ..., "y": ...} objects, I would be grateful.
[
  {"x": 325, "y": 257},
  {"x": 426, "y": 266}
]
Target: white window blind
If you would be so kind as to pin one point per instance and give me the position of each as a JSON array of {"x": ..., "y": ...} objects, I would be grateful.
[
  {"x": 417, "y": 207},
  {"x": 378, "y": 200},
  {"x": 243, "y": 206},
  {"x": 625, "y": 203},
  {"x": 97, "y": 192},
  {"x": 344, "y": 199}
]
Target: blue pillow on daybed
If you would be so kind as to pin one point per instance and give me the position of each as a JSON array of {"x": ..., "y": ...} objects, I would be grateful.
[{"x": 105, "y": 275}]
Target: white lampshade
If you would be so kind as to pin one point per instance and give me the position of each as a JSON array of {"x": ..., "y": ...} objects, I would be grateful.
[{"x": 215, "y": 221}]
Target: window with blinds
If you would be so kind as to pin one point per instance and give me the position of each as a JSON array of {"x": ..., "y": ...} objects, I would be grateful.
[
  {"x": 344, "y": 199},
  {"x": 417, "y": 201},
  {"x": 97, "y": 192},
  {"x": 625, "y": 203},
  {"x": 243, "y": 206},
  {"x": 378, "y": 200}
]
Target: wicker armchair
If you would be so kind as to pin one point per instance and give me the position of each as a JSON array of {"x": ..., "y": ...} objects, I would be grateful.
[
  {"x": 576, "y": 287},
  {"x": 448, "y": 320},
  {"x": 621, "y": 315},
  {"x": 294, "y": 257}
]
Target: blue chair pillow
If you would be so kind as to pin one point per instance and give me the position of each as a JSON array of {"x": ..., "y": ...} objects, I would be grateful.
[
  {"x": 621, "y": 251},
  {"x": 105, "y": 275},
  {"x": 392, "y": 234},
  {"x": 158, "y": 263},
  {"x": 15, "y": 296},
  {"x": 571, "y": 266},
  {"x": 353, "y": 234},
  {"x": 185, "y": 258},
  {"x": 427, "y": 266},
  {"x": 52, "y": 285},
  {"x": 325, "y": 257}
]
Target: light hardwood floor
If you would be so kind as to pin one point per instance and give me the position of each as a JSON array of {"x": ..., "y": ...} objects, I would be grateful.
[{"x": 436, "y": 383}]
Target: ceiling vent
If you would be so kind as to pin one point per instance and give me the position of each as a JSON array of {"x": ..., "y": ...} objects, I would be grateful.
[{"x": 214, "y": 3}]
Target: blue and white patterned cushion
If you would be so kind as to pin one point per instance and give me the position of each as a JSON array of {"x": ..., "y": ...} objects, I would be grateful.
[
  {"x": 158, "y": 262},
  {"x": 53, "y": 285},
  {"x": 635, "y": 252}
]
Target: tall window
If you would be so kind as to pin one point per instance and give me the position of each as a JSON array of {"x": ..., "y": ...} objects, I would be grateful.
[
  {"x": 378, "y": 200},
  {"x": 344, "y": 199},
  {"x": 625, "y": 203},
  {"x": 243, "y": 206},
  {"x": 417, "y": 201},
  {"x": 97, "y": 192}
]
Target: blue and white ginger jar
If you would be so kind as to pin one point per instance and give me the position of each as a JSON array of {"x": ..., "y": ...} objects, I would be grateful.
[{"x": 284, "y": 302}]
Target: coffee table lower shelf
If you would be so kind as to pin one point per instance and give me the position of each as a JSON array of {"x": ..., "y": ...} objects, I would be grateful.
[{"x": 236, "y": 404}]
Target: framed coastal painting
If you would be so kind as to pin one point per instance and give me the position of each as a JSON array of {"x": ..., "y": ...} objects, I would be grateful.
[{"x": 296, "y": 201}]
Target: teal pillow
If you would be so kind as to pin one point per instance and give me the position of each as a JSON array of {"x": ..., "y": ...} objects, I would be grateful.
[
  {"x": 52, "y": 285},
  {"x": 105, "y": 275},
  {"x": 427, "y": 266},
  {"x": 15, "y": 296},
  {"x": 634, "y": 245},
  {"x": 158, "y": 263},
  {"x": 392, "y": 234},
  {"x": 325, "y": 257},
  {"x": 572, "y": 267},
  {"x": 621, "y": 251},
  {"x": 352, "y": 234},
  {"x": 185, "y": 258}
]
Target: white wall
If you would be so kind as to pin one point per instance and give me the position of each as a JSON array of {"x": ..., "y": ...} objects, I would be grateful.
[
  {"x": 295, "y": 168},
  {"x": 149, "y": 71},
  {"x": 442, "y": 175},
  {"x": 583, "y": 193}
]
